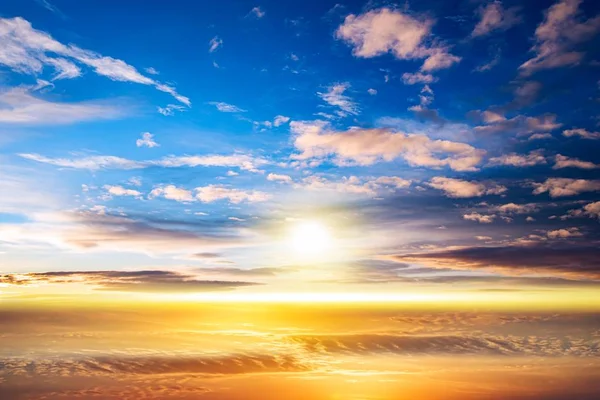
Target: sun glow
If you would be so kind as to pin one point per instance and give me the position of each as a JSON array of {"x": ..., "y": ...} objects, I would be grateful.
[{"x": 310, "y": 238}]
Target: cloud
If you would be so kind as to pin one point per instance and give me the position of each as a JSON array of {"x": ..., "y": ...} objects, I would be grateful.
[
  {"x": 156, "y": 281},
  {"x": 569, "y": 261},
  {"x": 172, "y": 192},
  {"x": 211, "y": 193},
  {"x": 116, "y": 190},
  {"x": 335, "y": 97},
  {"x": 582, "y": 133},
  {"x": 566, "y": 162},
  {"x": 372, "y": 91},
  {"x": 96, "y": 229},
  {"x": 512, "y": 208},
  {"x": 151, "y": 71},
  {"x": 208, "y": 194},
  {"x": 559, "y": 187},
  {"x": 94, "y": 163},
  {"x": 494, "y": 17},
  {"x": 564, "y": 233},
  {"x": 535, "y": 157},
  {"x": 490, "y": 64},
  {"x": 557, "y": 36},
  {"x": 384, "y": 30},
  {"x": 18, "y": 106},
  {"x": 458, "y": 188},
  {"x": 257, "y": 12},
  {"x": 91, "y": 162},
  {"x": 214, "y": 44},
  {"x": 27, "y": 50},
  {"x": 280, "y": 120},
  {"x": 279, "y": 178},
  {"x": 227, "y": 108},
  {"x": 369, "y": 146},
  {"x": 370, "y": 186},
  {"x": 170, "y": 109},
  {"x": 519, "y": 125},
  {"x": 482, "y": 219},
  {"x": 413, "y": 78},
  {"x": 591, "y": 210},
  {"x": 147, "y": 140},
  {"x": 389, "y": 344}
]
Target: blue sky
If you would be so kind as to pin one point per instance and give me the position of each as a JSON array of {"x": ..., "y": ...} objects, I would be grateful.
[{"x": 430, "y": 139}]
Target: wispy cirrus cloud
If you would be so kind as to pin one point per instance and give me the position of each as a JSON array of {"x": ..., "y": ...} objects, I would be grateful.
[
  {"x": 94, "y": 163},
  {"x": 335, "y": 97},
  {"x": 557, "y": 37},
  {"x": 214, "y": 44},
  {"x": 27, "y": 50},
  {"x": 566, "y": 260},
  {"x": 494, "y": 17},
  {"x": 127, "y": 281},
  {"x": 226, "y": 107},
  {"x": 19, "y": 107}
]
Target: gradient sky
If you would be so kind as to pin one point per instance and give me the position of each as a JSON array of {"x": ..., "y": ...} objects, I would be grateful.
[
  {"x": 300, "y": 200},
  {"x": 173, "y": 148}
]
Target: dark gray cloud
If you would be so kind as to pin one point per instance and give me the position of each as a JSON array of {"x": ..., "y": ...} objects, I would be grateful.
[
  {"x": 128, "y": 281},
  {"x": 569, "y": 261}
]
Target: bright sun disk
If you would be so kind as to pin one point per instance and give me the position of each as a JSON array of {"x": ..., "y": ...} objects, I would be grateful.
[{"x": 310, "y": 237}]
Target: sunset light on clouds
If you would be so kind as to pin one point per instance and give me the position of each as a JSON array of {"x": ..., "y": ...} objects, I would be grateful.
[{"x": 300, "y": 200}]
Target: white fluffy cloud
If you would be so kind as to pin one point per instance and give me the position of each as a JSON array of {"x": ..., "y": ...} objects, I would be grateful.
[
  {"x": 27, "y": 50},
  {"x": 369, "y": 146},
  {"x": 369, "y": 186},
  {"x": 384, "y": 30},
  {"x": 147, "y": 140},
  {"x": 559, "y": 187},
  {"x": 172, "y": 192},
  {"x": 210, "y": 193},
  {"x": 117, "y": 190},
  {"x": 279, "y": 178},
  {"x": 556, "y": 37},
  {"x": 459, "y": 188}
]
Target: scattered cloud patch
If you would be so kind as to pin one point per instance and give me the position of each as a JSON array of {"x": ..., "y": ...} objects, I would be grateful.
[
  {"x": 560, "y": 187},
  {"x": 225, "y": 107},
  {"x": 147, "y": 140},
  {"x": 458, "y": 188}
]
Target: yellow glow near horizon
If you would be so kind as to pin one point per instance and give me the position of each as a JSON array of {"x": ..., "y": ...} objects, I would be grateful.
[{"x": 310, "y": 238}]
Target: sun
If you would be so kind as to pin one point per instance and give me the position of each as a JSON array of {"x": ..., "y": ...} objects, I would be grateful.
[{"x": 310, "y": 238}]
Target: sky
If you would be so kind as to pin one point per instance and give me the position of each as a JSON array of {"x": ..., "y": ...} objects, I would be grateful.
[{"x": 423, "y": 154}]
